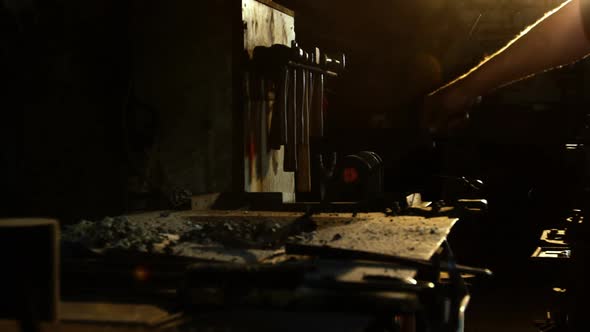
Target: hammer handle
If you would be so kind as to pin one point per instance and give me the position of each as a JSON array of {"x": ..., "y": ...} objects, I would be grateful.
[{"x": 290, "y": 163}]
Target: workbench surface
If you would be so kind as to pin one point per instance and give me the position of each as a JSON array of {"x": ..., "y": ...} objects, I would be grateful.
[
  {"x": 234, "y": 236},
  {"x": 197, "y": 234},
  {"x": 405, "y": 236}
]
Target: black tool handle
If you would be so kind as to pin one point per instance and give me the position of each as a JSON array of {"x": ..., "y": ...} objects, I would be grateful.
[
  {"x": 284, "y": 105},
  {"x": 290, "y": 163}
]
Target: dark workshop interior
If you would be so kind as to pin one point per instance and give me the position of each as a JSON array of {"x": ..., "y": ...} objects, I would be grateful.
[{"x": 258, "y": 165}]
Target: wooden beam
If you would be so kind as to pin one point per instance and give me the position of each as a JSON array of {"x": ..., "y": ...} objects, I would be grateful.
[{"x": 278, "y": 7}]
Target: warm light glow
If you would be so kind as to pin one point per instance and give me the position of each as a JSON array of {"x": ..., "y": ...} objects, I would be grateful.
[
  {"x": 141, "y": 274},
  {"x": 523, "y": 33}
]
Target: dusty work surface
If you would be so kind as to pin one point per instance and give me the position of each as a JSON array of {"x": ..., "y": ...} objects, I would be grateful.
[{"x": 248, "y": 237}]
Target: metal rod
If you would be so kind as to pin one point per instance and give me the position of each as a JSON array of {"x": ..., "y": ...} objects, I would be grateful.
[
  {"x": 337, "y": 253},
  {"x": 312, "y": 68}
]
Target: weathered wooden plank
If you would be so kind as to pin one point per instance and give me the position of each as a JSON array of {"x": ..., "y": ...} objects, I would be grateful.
[
  {"x": 14, "y": 326},
  {"x": 264, "y": 25},
  {"x": 112, "y": 313},
  {"x": 278, "y": 7}
]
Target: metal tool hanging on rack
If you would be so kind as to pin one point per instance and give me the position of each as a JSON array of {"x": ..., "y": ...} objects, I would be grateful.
[{"x": 299, "y": 79}]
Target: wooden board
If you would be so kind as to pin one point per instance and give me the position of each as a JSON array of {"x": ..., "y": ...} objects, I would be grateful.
[
  {"x": 13, "y": 326},
  {"x": 113, "y": 313},
  {"x": 278, "y": 7},
  {"x": 264, "y": 25}
]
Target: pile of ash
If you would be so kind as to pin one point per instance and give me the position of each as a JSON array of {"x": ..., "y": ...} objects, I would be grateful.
[
  {"x": 162, "y": 233},
  {"x": 113, "y": 233},
  {"x": 250, "y": 234}
]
